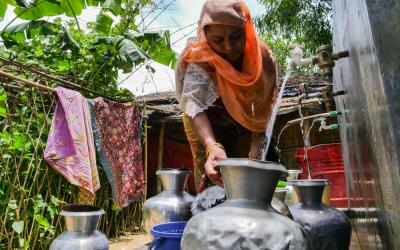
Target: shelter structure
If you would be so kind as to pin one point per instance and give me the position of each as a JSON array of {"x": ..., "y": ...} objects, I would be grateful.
[{"x": 168, "y": 146}]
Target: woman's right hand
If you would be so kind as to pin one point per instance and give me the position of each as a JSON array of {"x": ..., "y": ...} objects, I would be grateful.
[{"x": 215, "y": 154}]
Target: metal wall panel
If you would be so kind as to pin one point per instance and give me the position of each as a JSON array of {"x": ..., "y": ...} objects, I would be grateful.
[{"x": 370, "y": 120}]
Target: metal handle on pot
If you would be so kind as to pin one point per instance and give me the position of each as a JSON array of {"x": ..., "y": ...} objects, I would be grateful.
[{"x": 155, "y": 242}]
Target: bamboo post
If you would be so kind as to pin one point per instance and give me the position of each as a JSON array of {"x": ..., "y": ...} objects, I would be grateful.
[
  {"x": 160, "y": 153},
  {"x": 145, "y": 152}
]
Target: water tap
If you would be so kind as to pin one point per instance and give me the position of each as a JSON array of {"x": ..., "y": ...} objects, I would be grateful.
[
  {"x": 323, "y": 125},
  {"x": 324, "y": 58},
  {"x": 296, "y": 57}
]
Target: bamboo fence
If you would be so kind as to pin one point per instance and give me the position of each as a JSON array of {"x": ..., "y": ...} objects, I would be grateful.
[{"x": 32, "y": 193}]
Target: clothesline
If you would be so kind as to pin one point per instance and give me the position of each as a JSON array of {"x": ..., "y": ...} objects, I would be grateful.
[{"x": 62, "y": 82}]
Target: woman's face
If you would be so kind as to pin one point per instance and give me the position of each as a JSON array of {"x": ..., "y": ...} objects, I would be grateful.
[{"x": 227, "y": 41}]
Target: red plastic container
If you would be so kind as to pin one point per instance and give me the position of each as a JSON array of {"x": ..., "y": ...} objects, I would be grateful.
[{"x": 326, "y": 162}]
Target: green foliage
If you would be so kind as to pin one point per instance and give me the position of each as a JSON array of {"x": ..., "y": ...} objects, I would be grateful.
[
  {"x": 39, "y": 9},
  {"x": 305, "y": 22},
  {"x": 128, "y": 52},
  {"x": 279, "y": 48},
  {"x": 72, "y": 8},
  {"x": 103, "y": 23},
  {"x": 93, "y": 57},
  {"x": 127, "y": 15},
  {"x": 3, "y": 9},
  {"x": 28, "y": 30},
  {"x": 3, "y": 104},
  {"x": 157, "y": 45},
  {"x": 42, "y": 8},
  {"x": 87, "y": 58},
  {"x": 114, "y": 6},
  {"x": 23, "y": 175}
]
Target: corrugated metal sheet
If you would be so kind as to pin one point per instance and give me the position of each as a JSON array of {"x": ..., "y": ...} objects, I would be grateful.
[{"x": 370, "y": 131}]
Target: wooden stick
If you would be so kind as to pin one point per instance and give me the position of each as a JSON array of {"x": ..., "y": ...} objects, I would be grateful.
[
  {"x": 145, "y": 153},
  {"x": 160, "y": 154},
  {"x": 26, "y": 82}
]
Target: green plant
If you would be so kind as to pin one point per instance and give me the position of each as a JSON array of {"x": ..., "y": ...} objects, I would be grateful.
[{"x": 305, "y": 22}]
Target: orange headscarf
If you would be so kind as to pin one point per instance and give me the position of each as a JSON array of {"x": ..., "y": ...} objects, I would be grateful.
[{"x": 248, "y": 95}]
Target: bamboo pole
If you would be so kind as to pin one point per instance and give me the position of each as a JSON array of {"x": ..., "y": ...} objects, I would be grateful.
[
  {"x": 160, "y": 153},
  {"x": 145, "y": 152},
  {"x": 24, "y": 81},
  {"x": 61, "y": 81}
]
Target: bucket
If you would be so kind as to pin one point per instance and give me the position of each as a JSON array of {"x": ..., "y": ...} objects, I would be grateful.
[
  {"x": 326, "y": 162},
  {"x": 167, "y": 236}
]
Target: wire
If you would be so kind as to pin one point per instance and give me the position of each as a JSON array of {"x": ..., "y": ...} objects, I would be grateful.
[{"x": 161, "y": 12}]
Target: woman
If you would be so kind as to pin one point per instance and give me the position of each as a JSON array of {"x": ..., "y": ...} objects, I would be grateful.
[{"x": 226, "y": 86}]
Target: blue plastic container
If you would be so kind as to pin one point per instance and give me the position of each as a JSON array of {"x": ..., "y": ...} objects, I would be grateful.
[{"x": 167, "y": 236}]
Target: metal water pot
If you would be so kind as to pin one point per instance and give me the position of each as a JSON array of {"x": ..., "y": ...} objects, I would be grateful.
[
  {"x": 291, "y": 197},
  {"x": 246, "y": 219},
  {"x": 173, "y": 204},
  {"x": 81, "y": 222},
  {"x": 329, "y": 228}
]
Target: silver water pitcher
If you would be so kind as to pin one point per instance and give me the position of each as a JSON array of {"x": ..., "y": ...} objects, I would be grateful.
[
  {"x": 173, "y": 204},
  {"x": 81, "y": 223}
]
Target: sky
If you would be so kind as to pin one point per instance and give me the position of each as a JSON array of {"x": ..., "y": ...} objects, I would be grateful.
[{"x": 180, "y": 14}]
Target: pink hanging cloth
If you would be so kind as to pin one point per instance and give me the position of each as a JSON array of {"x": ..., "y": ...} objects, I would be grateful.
[{"x": 70, "y": 145}]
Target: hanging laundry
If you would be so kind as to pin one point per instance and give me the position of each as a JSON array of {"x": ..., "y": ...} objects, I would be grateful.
[
  {"x": 70, "y": 145},
  {"x": 117, "y": 132}
]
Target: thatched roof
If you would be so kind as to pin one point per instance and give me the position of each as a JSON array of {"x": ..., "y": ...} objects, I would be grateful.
[{"x": 163, "y": 105}]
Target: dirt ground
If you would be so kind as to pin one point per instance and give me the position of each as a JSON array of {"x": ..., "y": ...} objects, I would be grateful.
[{"x": 131, "y": 242}]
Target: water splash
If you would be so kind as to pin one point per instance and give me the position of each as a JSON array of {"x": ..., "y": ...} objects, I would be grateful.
[{"x": 271, "y": 122}]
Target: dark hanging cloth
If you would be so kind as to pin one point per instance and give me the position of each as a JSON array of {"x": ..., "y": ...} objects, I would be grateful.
[{"x": 117, "y": 135}]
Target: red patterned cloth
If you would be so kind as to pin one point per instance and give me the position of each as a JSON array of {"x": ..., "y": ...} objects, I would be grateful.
[{"x": 118, "y": 126}]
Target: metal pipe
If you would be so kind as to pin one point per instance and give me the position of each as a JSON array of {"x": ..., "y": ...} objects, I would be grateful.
[{"x": 329, "y": 114}]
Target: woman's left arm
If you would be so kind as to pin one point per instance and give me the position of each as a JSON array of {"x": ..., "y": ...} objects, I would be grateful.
[{"x": 255, "y": 145}]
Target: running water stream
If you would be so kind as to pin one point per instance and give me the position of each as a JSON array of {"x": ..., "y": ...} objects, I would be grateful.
[
  {"x": 271, "y": 122},
  {"x": 277, "y": 148},
  {"x": 305, "y": 140}
]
